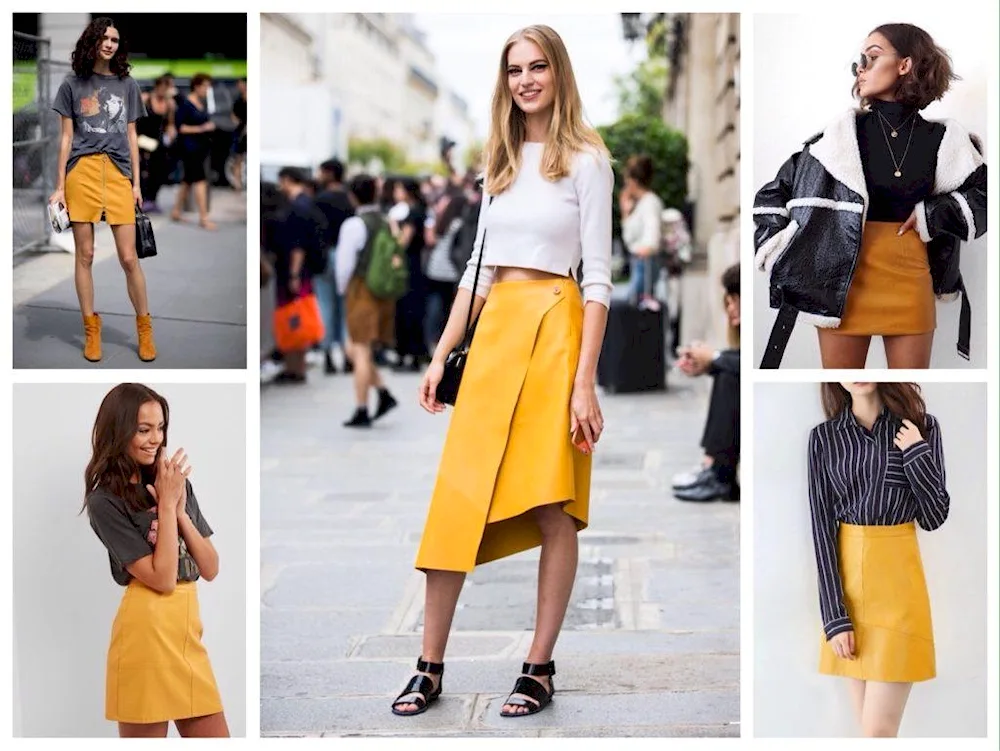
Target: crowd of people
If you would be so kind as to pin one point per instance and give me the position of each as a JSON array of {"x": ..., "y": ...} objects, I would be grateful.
[
  {"x": 318, "y": 233},
  {"x": 175, "y": 136}
]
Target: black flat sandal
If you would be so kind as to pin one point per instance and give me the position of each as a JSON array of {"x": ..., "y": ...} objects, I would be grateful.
[
  {"x": 533, "y": 689},
  {"x": 422, "y": 687}
]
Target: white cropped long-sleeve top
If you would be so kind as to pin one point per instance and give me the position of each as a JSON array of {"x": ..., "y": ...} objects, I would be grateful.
[{"x": 549, "y": 226}]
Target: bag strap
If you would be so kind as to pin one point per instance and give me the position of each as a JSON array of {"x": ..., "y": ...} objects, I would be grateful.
[
  {"x": 475, "y": 282},
  {"x": 373, "y": 222},
  {"x": 780, "y": 333}
]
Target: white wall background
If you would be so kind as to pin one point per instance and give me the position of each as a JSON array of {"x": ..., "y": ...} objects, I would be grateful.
[
  {"x": 64, "y": 597},
  {"x": 791, "y": 698},
  {"x": 802, "y": 80}
]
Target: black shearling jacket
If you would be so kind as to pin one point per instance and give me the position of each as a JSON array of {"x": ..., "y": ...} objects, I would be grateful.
[{"x": 808, "y": 225}]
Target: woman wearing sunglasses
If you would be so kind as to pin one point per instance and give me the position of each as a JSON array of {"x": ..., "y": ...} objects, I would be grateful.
[{"x": 860, "y": 230}]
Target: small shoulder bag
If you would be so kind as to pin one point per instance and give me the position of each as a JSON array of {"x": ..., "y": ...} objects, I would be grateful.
[{"x": 454, "y": 366}]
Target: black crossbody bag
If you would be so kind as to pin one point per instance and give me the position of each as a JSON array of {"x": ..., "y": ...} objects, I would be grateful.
[{"x": 454, "y": 366}]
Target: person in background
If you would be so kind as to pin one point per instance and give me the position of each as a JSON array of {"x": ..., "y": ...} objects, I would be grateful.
[
  {"x": 641, "y": 221},
  {"x": 442, "y": 276},
  {"x": 156, "y": 131},
  {"x": 716, "y": 478},
  {"x": 410, "y": 308},
  {"x": 194, "y": 124},
  {"x": 369, "y": 319},
  {"x": 335, "y": 204},
  {"x": 239, "y": 118},
  {"x": 296, "y": 232}
]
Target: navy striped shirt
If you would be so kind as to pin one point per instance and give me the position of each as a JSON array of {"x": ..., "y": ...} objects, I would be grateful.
[{"x": 857, "y": 476}]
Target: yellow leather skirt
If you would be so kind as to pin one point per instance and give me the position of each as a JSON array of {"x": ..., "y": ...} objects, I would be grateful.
[
  {"x": 97, "y": 190},
  {"x": 508, "y": 448},
  {"x": 886, "y": 597},
  {"x": 158, "y": 669},
  {"x": 891, "y": 291}
]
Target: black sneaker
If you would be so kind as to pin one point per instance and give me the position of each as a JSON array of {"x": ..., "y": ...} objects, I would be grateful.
[
  {"x": 329, "y": 366},
  {"x": 386, "y": 401},
  {"x": 360, "y": 419}
]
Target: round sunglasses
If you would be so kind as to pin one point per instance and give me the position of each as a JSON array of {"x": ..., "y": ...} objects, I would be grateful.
[{"x": 864, "y": 62}]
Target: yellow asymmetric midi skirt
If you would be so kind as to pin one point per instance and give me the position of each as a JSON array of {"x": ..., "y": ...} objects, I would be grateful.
[
  {"x": 509, "y": 448},
  {"x": 96, "y": 189},
  {"x": 158, "y": 669},
  {"x": 891, "y": 292},
  {"x": 886, "y": 597}
]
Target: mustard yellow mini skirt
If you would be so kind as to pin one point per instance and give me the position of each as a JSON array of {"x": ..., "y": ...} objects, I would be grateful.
[
  {"x": 158, "y": 669},
  {"x": 508, "y": 448},
  {"x": 97, "y": 190},
  {"x": 886, "y": 597},
  {"x": 891, "y": 292}
]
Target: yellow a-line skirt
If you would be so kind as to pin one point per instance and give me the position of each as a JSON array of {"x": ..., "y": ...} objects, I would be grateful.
[
  {"x": 158, "y": 669},
  {"x": 509, "y": 448},
  {"x": 97, "y": 190},
  {"x": 886, "y": 598}
]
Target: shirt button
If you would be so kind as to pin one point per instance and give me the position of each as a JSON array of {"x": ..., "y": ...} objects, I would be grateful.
[{"x": 556, "y": 290}]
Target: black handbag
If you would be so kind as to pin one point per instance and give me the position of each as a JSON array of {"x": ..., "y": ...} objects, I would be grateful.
[
  {"x": 145, "y": 242},
  {"x": 454, "y": 365}
]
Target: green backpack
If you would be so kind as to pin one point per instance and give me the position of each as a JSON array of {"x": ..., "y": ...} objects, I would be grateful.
[{"x": 383, "y": 263}]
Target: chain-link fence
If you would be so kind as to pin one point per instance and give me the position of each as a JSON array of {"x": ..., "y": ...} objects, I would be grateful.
[{"x": 36, "y": 138}]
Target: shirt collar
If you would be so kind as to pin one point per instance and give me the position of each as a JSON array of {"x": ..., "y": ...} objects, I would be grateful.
[{"x": 847, "y": 420}]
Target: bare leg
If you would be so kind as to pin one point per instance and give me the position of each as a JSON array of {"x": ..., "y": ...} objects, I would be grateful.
[
  {"x": 208, "y": 726},
  {"x": 842, "y": 351},
  {"x": 857, "y": 689},
  {"x": 83, "y": 274},
  {"x": 909, "y": 351},
  {"x": 135, "y": 280},
  {"x": 201, "y": 198},
  {"x": 556, "y": 574},
  {"x": 364, "y": 371},
  {"x": 137, "y": 730},
  {"x": 440, "y": 599},
  {"x": 182, "y": 194},
  {"x": 884, "y": 705}
]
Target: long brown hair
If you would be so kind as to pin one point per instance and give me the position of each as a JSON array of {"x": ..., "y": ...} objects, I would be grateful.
[
  {"x": 568, "y": 133},
  {"x": 110, "y": 465},
  {"x": 903, "y": 400}
]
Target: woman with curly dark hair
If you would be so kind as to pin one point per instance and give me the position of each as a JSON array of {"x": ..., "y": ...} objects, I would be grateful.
[
  {"x": 97, "y": 173},
  {"x": 144, "y": 510},
  {"x": 860, "y": 230}
]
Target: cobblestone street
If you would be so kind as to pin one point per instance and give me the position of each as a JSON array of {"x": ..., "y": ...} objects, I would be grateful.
[{"x": 650, "y": 645}]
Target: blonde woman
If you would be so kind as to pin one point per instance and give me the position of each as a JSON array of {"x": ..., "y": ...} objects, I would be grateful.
[{"x": 515, "y": 472}]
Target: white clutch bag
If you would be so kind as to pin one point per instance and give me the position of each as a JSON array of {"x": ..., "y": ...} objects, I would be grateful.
[
  {"x": 147, "y": 144},
  {"x": 58, "y": 217}
]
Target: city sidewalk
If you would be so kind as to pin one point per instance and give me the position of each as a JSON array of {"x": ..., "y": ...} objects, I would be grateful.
[
  {"x": 650, "y": 646},
  {"x": 197, "y": 294}
]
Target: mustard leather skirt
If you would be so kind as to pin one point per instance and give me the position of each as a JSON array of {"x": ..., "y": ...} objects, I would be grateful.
[
  {"x": 891, "y": 291},
  {"x": 97, "y": 190},
  {"x": 508, "y": 448},
  {"x": 886, "y": 597},
  {"x": 158, "y": 669}
]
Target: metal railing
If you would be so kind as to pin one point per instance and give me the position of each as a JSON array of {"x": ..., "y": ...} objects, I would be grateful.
[{"x": 35, "y": 136}]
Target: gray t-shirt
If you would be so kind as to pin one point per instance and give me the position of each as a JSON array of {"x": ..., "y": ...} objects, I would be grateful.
[
  {"x": 130, "y": 535},
  {"x": 101, "y": 107}
]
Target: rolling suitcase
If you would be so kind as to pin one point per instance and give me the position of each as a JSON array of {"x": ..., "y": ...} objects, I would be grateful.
[{"x": 633, "y": 357}]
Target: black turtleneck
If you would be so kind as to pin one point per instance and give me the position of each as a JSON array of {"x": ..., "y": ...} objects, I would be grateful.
[{"x": 891, "y": 198}]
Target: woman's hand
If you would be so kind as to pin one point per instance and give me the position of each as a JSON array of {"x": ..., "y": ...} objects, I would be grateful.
[
  {"x": 208, "y": 127},
  {"x": 58, "y": 197},
  {"x": 171, "y": 474},
  {"x": 696, "y": 359},
  {"x": 910, "y": 223},
  {"x": 907, "y": 435},
  {"x": 428, "y": 388},
  {"x": 586, "y": 423},
  {"x": 843, "y": 645},
  {"x": 137, "y": 195}
]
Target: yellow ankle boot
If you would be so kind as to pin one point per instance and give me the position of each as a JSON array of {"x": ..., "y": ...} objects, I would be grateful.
[
  {"x": 144, "y": 327},
  {"x": 92, "y": 337}
]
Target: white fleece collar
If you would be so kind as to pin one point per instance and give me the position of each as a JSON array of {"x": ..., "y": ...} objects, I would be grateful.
[{"x": 837, "y": 150}]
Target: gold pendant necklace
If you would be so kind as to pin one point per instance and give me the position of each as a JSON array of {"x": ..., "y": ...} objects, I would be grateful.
[{"x": 898, "y": 165}]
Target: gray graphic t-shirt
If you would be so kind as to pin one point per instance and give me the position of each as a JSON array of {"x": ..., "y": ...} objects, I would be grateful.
[
  {"x": 101, "y": 107},
  {"x": 130, "y": 535}
]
